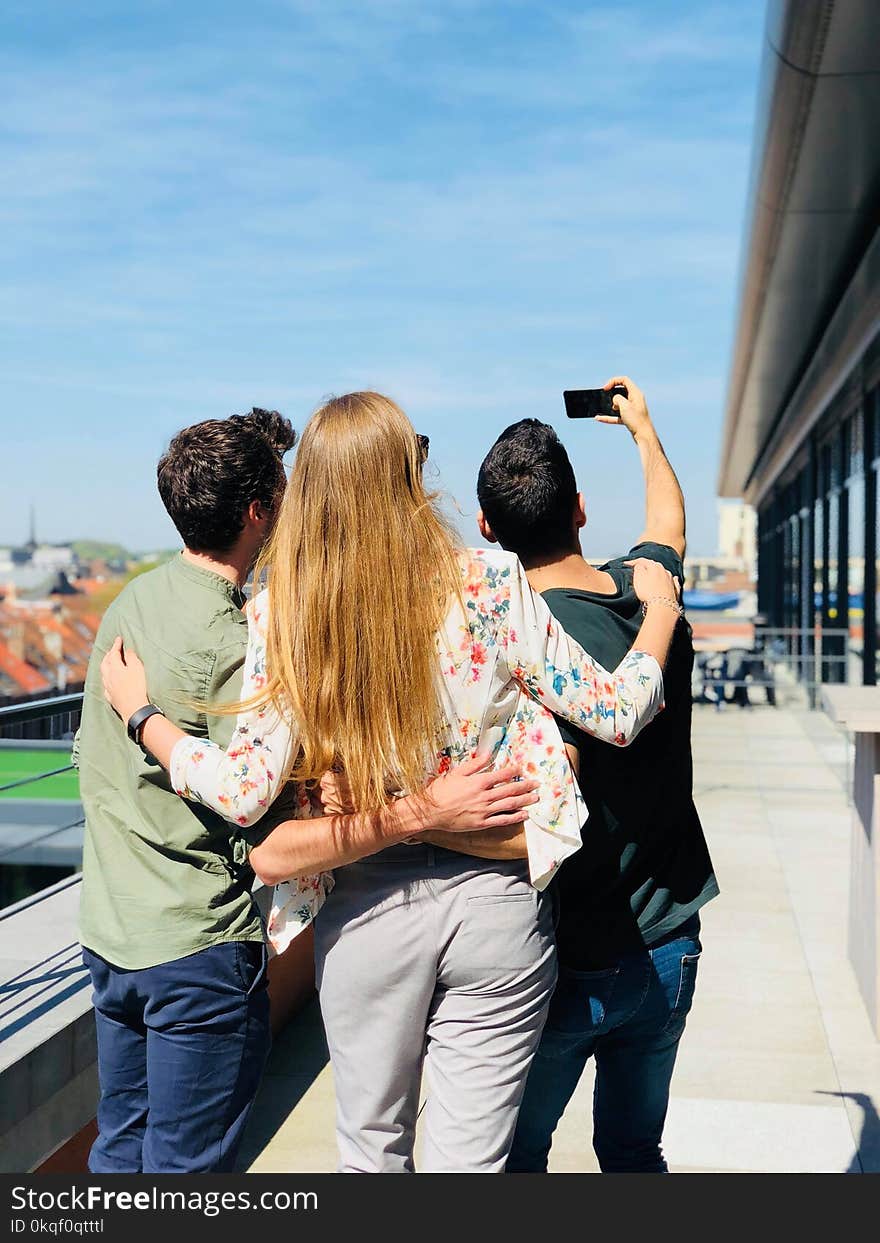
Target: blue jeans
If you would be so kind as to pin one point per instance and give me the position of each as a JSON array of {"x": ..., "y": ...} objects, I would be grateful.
[
  {"x": 630, "y": 1017},
  {"x": 181, "y": 1050}
]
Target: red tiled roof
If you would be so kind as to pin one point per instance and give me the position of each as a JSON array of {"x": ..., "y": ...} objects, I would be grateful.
[
  {"x": 51, "y": 635},
  {"x": 20, "y": 672}
]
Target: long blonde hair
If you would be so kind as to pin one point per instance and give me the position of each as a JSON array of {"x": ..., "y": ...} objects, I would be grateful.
[{"x": 362, "y": 569}]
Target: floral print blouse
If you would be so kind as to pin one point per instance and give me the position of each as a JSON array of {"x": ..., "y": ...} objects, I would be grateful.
[{"x": 506, "y": 665}]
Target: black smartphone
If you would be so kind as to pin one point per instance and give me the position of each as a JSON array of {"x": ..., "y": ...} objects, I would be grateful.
[{"x": 586, "y": 403}]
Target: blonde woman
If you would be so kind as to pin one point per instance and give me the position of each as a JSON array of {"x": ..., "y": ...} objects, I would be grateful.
[{"x": 385, "y": 650}]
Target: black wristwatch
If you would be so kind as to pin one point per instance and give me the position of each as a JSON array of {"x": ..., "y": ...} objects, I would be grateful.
[{"x": 138, "y": 719}]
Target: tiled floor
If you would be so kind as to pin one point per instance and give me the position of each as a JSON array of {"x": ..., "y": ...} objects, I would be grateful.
[{"x": 779, "y": 1069}]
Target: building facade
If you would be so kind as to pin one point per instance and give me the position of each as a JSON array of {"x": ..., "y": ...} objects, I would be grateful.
[{"x": 802, "y": 425}]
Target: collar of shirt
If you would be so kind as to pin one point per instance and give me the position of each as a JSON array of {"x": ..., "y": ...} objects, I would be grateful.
[{"x": 209, "y": 578}]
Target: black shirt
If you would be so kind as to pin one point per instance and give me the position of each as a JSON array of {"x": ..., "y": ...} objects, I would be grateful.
[{"x": 644, "y": 867}]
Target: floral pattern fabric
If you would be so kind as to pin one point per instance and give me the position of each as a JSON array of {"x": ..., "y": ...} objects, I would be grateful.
[{"x": 505, "y": 667}]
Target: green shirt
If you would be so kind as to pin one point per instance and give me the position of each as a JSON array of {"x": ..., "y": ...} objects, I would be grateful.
[{"x": 163, "y": 878}]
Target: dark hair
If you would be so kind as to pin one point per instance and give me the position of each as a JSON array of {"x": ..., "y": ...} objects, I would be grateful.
[
  {"x": 527, "y": 490},
  {"x": 212, "y": 471}
]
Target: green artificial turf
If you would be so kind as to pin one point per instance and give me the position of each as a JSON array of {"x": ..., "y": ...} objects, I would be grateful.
[{"x": 14, "y": 765}]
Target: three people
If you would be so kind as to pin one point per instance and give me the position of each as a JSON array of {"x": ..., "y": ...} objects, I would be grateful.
[{"x": 384, "y": 652}]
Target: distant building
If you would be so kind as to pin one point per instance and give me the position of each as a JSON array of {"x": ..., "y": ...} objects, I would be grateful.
[
  {"x": 38, "y": 570},
  {"x": 49, "y": 616},
  {"x": 62, "y": 586},
  {"x": 44, "y": 643},
  {"x": 54, "y": 558},
  {"x": 738, "y": 535},
  {"x": 17, "y": 678},
  {"x": 28, "y": 580}
]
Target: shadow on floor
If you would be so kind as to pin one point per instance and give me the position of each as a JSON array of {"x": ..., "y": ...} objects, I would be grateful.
[
  {"x": 298, "y": 1056},
  {"x": 866, "y": 1158}
]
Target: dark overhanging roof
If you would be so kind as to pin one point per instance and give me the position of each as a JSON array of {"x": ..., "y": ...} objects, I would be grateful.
[{"x": 814, "y": 207}]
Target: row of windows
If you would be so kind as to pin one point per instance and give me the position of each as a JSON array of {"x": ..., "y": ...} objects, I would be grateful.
[{"x": 819, "y": 552}]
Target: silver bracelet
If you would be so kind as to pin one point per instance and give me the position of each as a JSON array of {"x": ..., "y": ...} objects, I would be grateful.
[{"x": 667, "y": 600}]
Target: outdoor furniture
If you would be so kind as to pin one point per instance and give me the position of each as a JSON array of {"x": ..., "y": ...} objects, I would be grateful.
[{"x": 857, "y": 708}]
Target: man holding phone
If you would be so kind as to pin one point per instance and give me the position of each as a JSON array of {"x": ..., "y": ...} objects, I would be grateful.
[{"x": 628, "y": 931}]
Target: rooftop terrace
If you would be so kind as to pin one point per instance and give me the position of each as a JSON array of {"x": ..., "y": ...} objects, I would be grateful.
[{"x": 779, "y": 1069}]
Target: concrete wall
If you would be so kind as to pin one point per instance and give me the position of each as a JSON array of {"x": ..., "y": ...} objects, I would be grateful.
[{"x": 48, "y": 1068}]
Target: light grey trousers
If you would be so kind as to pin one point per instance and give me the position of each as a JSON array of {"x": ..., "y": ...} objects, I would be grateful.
[{"x": 428, "y": 957}]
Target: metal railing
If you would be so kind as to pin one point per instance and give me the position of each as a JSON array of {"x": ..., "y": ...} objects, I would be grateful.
[
  {"x": 60, "y": 714},
  {"x": 788, "y": 660},
  {"x": 65, "y": 707},
  {"x": 24, "y": 904}
]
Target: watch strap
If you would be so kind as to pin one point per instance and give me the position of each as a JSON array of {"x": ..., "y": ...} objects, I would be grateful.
[{"x": 137, "y": 720}]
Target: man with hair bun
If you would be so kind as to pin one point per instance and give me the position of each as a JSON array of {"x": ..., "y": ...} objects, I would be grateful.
[{"x": 171, "y": 935}]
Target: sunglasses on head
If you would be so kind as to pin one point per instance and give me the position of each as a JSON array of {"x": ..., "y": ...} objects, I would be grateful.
[{"x": 424, "y": 445}]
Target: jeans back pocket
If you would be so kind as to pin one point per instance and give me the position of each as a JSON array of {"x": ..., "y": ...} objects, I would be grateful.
[
  {"x": 582, "y": 1000},
  {"x": 684, "y": 998}
]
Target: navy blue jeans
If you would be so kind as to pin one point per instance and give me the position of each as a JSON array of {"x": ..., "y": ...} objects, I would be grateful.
[
  {"x": 181, "y": 1049},
  {"x": 630, "y": 1017}
]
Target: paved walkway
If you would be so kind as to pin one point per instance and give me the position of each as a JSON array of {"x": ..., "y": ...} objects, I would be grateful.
[{"x": 779, "y": 1069}]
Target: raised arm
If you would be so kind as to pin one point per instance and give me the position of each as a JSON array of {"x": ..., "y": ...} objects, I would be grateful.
[
  {"x": 664, "y": 501},
  {"x": 555, "y": 670}
]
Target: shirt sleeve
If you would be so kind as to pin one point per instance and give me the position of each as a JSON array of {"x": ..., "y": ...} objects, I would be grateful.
[
  {"x": 297, "y": 901},
  {"x": 556, "y": 671},
  {"x": 240, "y": 782},
  {"x": 668, "y": 557}
]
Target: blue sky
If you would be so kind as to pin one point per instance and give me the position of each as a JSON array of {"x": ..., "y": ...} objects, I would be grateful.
[{"x": 469, "y": 205}]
